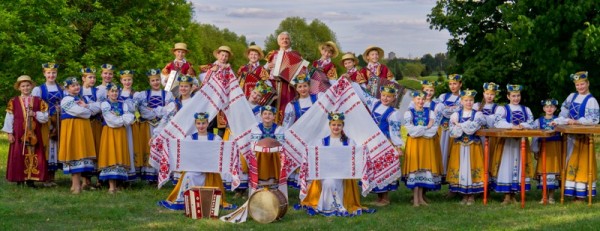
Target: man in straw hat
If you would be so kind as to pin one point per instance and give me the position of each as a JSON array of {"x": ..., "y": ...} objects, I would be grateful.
[
  {"x": 24, "y": 115},
  {"x": 252, "y": 72}
]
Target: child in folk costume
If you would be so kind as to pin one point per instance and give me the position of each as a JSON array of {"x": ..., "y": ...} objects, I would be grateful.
[
  {"x": 465, "y": 164},
  {"x": 256, "y": 96},
  {"x": 175, "y": 200},
  {"x": 152, "y": 108},
  {"x": 90, "y": 92},
  {"x": 488, "y": 108},
  {"x": 133, "y": 134},
  {"x": 328, "y": 51},
  {"x": 334, "y": 197},
  {"x": 114, "y": 159},
  {"x": 388, "y": 120},
  {"x": 349, "y": 61},
  {"x": 23, "y": 124},
  {"x": 107, "y": 75},
  {"x": 76, "y": 151},
  {"x": 506, "y": 163},
  {"x": 553, "y": 148},
  {"x": 421, "y": 168},
  {"x": 268, "y": 164},
  {"x": 580, "y": 108},
  {"x": 180, "y": 64},
  {"x": 220, "y": 66},
  {"x": 450, "y": 103},
  {"x": 52, "y": 94},
  {"x": 252, "y": 72},
  {"x": 374, "y": 70}
]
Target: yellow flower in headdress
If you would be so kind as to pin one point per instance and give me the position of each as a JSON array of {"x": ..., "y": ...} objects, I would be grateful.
[
  {"x": 88, "y": 70},
  {"x": 262, "y": 88},
  {"x": 514, "y": 87},
  {"x": 418, "y": 94},
  {"x": 491, "y": 87},
  {"x": 153, "y": 73},
  {"x": 268, "y": 108},
  {"x": 49, "y": 66},
  {"x": 126, "y": 73},
  {"x": 300, "y": 78},
  {"x": 454, "y": 78},
  {"x": 336, "y": 116},
  {"x": 388, "y": 89},
  {"x": 185, "y": 79},
  {"x": 548, "y": 102},
  {"x": 201, "y": 116},
  {"x": 107, "y": 67},
  {"x": 428, "y": 84}
]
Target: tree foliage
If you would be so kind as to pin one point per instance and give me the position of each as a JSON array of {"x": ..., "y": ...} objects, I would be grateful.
[
  {"x": 305, "y": 38},
  {"x": 534, "y": 43}
]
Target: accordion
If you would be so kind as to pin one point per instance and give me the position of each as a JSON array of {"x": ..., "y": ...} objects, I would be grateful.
[
  {"x": 319, "y": 82},
  {"x": 375, "y": 83},
  {"x": 202, "y": 202},
  {"x": 288, "y": 65}
]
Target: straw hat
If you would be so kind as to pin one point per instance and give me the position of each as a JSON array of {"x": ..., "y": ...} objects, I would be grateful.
[
  {"x": 23, "y": 78},
  {"x": 370, "y": 48},
  {"x": 223, "y": 48},
  {"x": 180, "y": 46},
  {"x": 334, "y": 52},
  {"x": 257, "y": 49},
  {"x": 349, "y": 55}
]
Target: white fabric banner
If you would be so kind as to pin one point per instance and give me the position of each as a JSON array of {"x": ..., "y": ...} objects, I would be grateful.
[
  {"x": 202, "y": 156},
  {"x": 344, "y": 162}
]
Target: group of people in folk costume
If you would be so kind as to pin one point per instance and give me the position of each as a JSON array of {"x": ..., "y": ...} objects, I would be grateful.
[{"x": 104, "y": 130}]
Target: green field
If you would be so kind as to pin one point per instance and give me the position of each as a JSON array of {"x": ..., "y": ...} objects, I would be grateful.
[
  {"x": 414, "y": 84},
  {"x": 135, "y": 209}
]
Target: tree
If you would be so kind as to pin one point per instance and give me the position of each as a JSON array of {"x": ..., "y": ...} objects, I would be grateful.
[
  {"x": 203, "y": 39},
  {"x": 534, "y": 43},
  {"x": 305, "y": 38},
  {"x": 413, "y": 69}
]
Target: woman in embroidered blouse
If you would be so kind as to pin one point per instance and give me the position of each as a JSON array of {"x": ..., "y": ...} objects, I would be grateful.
[
  {"x": 113, "y": 158},
  {"x": 421, "y": 167},
  {"x": 465, "y": 164},
  {"x": 507, "y": 158},
  {"x": 580, "y": 108},
  {"x": 77, "y": 151},
  {"x": 334, "y": 197}
]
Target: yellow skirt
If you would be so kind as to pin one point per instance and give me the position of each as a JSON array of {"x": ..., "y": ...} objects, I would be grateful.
[
  {"x": 351, "y": 195},
  {"x": 113, "y": 148},
  {"x": 76, "y": 140},
  {"x": 269, "y": 166},
  {"x": 141, "y": 149},
  {"x": 553, "y": 163},
  {"x": 457, "y": 176},
  {"x": 97, "y": 130},
  {"x": 212, "y": 180},
  {"x": 421, "y": 155},
  {"x": 578, "y": 165},
  {"x": 46, "y": 138},
  {"x": 497, "y": 158}
]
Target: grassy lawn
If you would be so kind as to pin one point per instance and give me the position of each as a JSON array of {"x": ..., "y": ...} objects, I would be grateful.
[
  {"x": 135, "y": 209},
  {"x": 413, "y": 83}
]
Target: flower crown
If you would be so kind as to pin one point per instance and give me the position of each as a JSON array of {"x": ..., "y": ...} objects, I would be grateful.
[
  {"x": 427, "y": 83},
  {"x": 390, "y": 89},
  {"x": 153, "y": 72},
  {"x": 108, "y": 67},
  {"x": 126, "y": 73},
  {"x": 262, "y": 88},
  {"x": 70, "y": 81},
  {"x": 582, "y": 75},
  {"x": 336, "y": 116},
  {"x": 185, "y": 79},
  {"x": 88, "y": 70},
  {"x": 201, "y": 116},
  {"x": 468, "y": 93},
  {"x": 418, "y": 94},
  {"x": 301, "y": 78},
  {"x": 50, "y": 66},
  {"x": 548, "y": 102},
  {"x": 491, "y": 86},
  {"x": 454, "y": 78},
  {"x": 268, "y": 108},
  {"x": 514, "y": 87},
  {"x": 112, "y": 86}
]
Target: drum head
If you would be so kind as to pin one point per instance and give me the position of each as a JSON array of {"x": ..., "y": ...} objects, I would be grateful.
[{"x": 264, "y": 206}]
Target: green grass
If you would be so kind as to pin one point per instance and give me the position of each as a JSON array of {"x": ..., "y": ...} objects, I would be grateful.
[
  {"x": 135, "y": 209},
  {"x": 414, "y": 84}
]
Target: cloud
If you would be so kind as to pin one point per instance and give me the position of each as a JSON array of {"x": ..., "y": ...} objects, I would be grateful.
[
  {"x": 254, "y": 13},
  {"x": 338, "y": 16},
  {"x": 205, "y": 7}
]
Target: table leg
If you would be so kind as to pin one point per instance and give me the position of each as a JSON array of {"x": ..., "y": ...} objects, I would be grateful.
[
  {"x": 563, "y": 175},
  {"x": 486, "y": 172},
  {"x": 544, "y": 173},
  {"x": 590, "y": 153},
  {"x": 523, "y": 161}
]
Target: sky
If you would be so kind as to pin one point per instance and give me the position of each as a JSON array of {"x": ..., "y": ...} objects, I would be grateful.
[{"x": 398, "y": 26}]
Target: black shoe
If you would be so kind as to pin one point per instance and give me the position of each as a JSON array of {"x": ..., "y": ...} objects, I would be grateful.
[{"x": 30, "y": 184}]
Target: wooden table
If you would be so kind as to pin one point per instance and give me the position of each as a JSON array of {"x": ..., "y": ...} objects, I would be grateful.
[
  {"x": 588, "y": 131},
  {"x": 513, "y": 133}
]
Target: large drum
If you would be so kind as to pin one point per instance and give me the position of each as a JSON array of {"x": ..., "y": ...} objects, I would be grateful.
[{"x": 267, "y": 205}]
